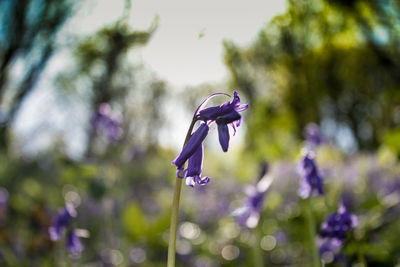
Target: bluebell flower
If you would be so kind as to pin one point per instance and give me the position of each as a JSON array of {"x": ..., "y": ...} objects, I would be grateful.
[
  {"x": 190, "y": 148},
  {"x": 311, "y": 181},
  {"x": 194, "y": 169},
  {"x": 61, "y": 222},
  {"x": 224, "y": 115},
  {"x": 249, "y": 214},
  {"x": 73, "y": 243},
  {"x": 334, "y": 231},
  {"x": 338, "y": 224}
]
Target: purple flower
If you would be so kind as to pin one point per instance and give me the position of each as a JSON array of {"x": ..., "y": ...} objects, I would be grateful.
[
  {"x": 334, "y": 231},
  {"x": 311, "y": 182},
  {"x": 194, "y": 169},
  {"x": 227, "y": 113},
  {"x": 107, "y": 122},
  {"x": 313, "y": 135},
  {"x": 73, "y": 243},
  {"x": 249, "y": 214},
  {"x": 191, "y": 147},
  {"x": 338, "y": 224},
  {"x": 62, "y": 221}
]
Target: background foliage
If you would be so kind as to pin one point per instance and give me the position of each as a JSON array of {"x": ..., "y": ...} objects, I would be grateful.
[{"x": 332, "y": 62}]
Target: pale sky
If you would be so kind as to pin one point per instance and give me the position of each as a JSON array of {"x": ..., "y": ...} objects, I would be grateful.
[{"x": 176, "y": 52}]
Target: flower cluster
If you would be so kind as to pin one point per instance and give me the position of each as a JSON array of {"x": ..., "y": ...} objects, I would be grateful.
[
  {"x": 249, "y": 214},
  {"x": 334, "y": 231},
  {"x": 107, "y": 122},
  {"x": 62, "y": 221},
  {"x": 311, "y": 182},
  {"x": 223, "y": 115}
]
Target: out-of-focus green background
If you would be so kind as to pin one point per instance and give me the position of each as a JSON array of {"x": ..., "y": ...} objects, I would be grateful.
[{"x": 332, "y": 62}]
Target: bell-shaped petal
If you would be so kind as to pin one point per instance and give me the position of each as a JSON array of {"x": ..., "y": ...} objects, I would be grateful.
[
  {"x": 192, "y": 145},
  {"x": 223, "y": 136},
  {"x": 195, "y": 168}
]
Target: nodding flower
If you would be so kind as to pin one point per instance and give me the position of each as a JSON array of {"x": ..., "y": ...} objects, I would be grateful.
[{"x": 223, "y": 115}]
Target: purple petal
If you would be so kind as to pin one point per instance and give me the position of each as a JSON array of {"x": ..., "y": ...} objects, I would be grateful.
[
  {"x": 223, "y": 136},
  {"x": 194, "y": 142},
  {"x": 74, "y": 245},
  {"x": 195, "y": 163},
  {"x": 202, "y": 181}
]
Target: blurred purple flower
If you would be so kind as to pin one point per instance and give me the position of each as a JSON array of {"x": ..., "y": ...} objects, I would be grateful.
[
  {"x": 107, "y": 122},
  {"x": 313, "y": 135},
  {"x": 311, "y": 181},
  {"x": 338, "y": 224},
  {"x": 227, "y": 113},
  {"x": 249, "y": 214},
  {"x": 73, "y": 243},
  {"x": 334, "y": 231},
  {"x": 62, "y": 221}
]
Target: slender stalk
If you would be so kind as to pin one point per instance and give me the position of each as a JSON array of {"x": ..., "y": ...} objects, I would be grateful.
[
  {"x": 175, "y": 210},
  {"x": 361, "y": 257},
  {"x": 312, "y": 233},
  {"x": 257, "y": 252}
]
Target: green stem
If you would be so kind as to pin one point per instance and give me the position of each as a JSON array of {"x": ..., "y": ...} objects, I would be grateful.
[
  {"x": 361, "y": 257},
  {"x": 312, "y": 233},
  {"x": 175, "y": 209},
  {"x": 257, "y": 252}
]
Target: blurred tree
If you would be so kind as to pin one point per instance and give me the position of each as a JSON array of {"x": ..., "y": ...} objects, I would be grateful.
[
  {"x": 103, "y": 68},
  {"x": 333, "y": 62},
  {"x": 28, "y": 33}
]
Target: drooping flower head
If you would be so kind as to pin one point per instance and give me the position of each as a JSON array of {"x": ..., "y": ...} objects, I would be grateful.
[
  {"x": 227, "y": 113},
  {"x": 62, "y": 221},
  {"x": 249, "y": 214},
  {"x": 311, "y": 181}
]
